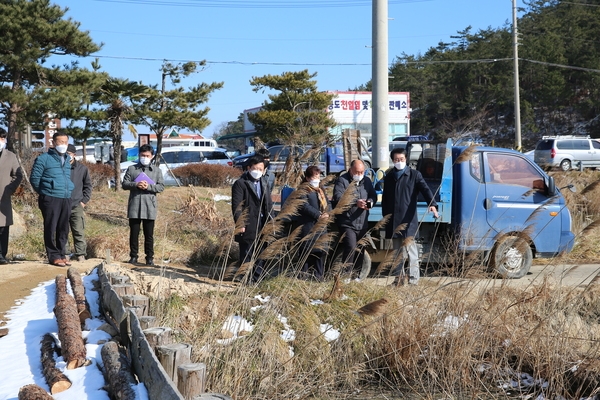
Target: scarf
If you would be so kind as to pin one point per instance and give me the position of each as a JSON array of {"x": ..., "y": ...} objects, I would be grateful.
[{"x": 320, "y": 195}]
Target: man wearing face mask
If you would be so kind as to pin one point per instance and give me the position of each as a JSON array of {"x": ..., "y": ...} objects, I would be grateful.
[
  {"x": 143, "y": 181},
  {"x": 251, "y": 205},
  {"x": 354, "y": 222},
  {"x": 269, "y": 175},
  {"x": 51, "y": 179},
  {"x": 10, "y": 179},
  {"x": 80, "y": 196},
  {"x": 401, "y": 188}
]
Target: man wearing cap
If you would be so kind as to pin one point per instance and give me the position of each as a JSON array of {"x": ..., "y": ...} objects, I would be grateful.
[
  {"x": 80, "y": 196},
  {"x": 10, "y": 179},
  {"x": 51, "y": 179}
]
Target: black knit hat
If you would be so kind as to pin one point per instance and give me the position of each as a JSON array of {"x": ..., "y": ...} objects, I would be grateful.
[{"x": 71, "y": 149}]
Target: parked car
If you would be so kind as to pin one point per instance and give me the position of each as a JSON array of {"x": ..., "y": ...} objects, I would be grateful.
[
  {"x": 89, "y": 154},
  {"x": 567, "y": 152},
  {"x": 413, "y": 144}
]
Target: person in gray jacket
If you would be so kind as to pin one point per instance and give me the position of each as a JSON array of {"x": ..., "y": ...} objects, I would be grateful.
[
  {"x": 144, "y": 181},
  {"x": 80, "y": 196},
  {"x": 51, "y": 179},
  {"x": 354, "y": 222},
  {"x": 10, "y": 179}
]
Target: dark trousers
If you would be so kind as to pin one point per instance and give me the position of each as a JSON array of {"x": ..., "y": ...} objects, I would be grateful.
[
  {"x": 134, "y": 235},
  {"x": 248, "y": 253},
  {"x": 77, "y": 223},
  {"x": 4, "y": 240},
  {"x": 352, "y": 258},
  {"x": 316, "y": 263},
  {"x": 56, "y": 213}
]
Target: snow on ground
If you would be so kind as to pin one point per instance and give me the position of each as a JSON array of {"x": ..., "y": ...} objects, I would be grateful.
[{"x": 20, "y": 350}]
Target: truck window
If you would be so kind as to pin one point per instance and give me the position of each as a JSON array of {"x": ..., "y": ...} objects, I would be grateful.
[
  {"x": 475, "y": 166},
  {"x": 512, "y": 170}
]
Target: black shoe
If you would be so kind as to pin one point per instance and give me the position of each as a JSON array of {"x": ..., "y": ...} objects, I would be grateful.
[
  {"x": 3, "y": 261},
  {"x": 133, "y": 260},
  {"x": 149, "y": 261}
]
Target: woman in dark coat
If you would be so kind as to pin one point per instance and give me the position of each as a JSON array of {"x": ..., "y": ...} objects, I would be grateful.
[
  {"x": 251, "y": 205},
  {"x": 316, "y": 206}
]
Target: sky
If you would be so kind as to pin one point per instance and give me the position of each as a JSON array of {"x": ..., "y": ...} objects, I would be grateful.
[{"x": 242, "y": 39}]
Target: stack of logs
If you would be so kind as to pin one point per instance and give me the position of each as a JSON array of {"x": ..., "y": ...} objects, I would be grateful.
[{"x": 128, "y": 315}]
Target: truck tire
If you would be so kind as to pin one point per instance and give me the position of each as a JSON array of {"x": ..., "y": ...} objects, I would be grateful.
[
  {"x": 565, "y": 165},
  {"x": 511, "y": 257}
]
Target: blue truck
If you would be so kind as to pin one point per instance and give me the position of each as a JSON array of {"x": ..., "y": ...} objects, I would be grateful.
[{"x": 494, "y": 203}]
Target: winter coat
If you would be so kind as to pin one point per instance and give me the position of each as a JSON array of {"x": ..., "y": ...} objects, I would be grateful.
[
  {"x": 142, "y": 204},
  {"x": 309, "y": 212},
  {"x": 11, "y": 176},
  {"x": 355, "y": 218},
  {"x": 259, "y": 210},
  {"x": 51, "y": 175},
  {"x": 400, "y": 200},
  {"x": 80, "y": 176}
]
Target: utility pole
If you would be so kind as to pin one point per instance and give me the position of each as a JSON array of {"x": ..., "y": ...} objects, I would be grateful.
[
  {"x": 516, "y": 76},
  {"x": 379, "y": 80}
]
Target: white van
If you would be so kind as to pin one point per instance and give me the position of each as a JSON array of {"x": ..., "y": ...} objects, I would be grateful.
[{"x": 567, "y": 152}]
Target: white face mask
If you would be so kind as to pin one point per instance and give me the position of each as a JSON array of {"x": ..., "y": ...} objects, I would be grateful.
[
  {"x": 315, "y": 183},
  {"x": 400, "y": 165},
  {"x": 357, "y": 178},
  {"x": 2, "y": 145},
  {"x": 255, "y": 174},
  {"x": 145, "y": 161},
  {"x": 61, "y": 148}
]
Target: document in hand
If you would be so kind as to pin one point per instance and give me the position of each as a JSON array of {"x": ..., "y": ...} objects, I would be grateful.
[{"x": 143, "y": 177}]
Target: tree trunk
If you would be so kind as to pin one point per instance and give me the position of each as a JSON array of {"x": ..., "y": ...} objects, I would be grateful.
[
  {"x": 69, "y": 328},
  {"x": 79, "y": 294},
  {"x": 55, "y": 379},
  {"x": 33, "y": 392},
  {"x": 117, "y": 372}
]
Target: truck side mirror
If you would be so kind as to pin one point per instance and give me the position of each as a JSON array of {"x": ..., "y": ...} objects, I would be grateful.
[{"x": 551, "y": 186}]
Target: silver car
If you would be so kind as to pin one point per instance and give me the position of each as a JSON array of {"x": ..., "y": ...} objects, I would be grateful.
[{"x": 567, "y": 152}]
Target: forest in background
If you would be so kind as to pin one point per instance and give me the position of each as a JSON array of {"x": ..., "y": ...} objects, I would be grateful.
[{"x": 466, "y": 87}]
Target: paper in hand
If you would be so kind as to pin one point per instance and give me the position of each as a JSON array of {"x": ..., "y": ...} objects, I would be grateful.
[{"x": 143, "y": 177}]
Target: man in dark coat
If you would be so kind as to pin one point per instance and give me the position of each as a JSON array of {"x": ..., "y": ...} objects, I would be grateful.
[
  {"x": 144, "y": 181},
  {"x": 51, "y": 179},
  {"x": 10, "y": 179},
  {"x": 401, "y": 188},
  {"x": 251, "y": 205},
  {"x": 80, "y": 196},
  {"x": 354, "y": 222}
]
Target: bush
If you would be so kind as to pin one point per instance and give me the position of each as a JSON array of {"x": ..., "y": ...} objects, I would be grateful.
[
  {"x": 100, "y": 174},
  {"x": 207, "y": 175}
]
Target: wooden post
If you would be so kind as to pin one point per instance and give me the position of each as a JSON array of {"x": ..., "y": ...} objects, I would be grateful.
[
  {"x": 118, "y": 374},
  {"x": 116, "y": 279},
  {"x": 172, "y": 356},
  {"x": 79, "y": 294},
  {"x": 69, "y": 328},
  {"x": 191, "y": 379},
  {"x": 133, "y": 300},
  {"x": 124, "y": 289},
  {"x": 56, "y": 380},
  {"x": 158, "y": 336},
  {"x": 147, "y": 322}
]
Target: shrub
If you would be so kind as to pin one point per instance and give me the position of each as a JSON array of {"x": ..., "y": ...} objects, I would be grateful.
[
  {"x": 207, "y": 175},
  {"x": 100, "y": 174}
]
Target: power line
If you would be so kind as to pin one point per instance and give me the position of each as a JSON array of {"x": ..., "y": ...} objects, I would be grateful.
[{"x": 260, "y": 4}]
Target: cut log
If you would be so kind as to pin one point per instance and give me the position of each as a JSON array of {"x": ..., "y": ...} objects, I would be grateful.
[
  {"x": 172, "y": 356},
  {"x": 33, "y": 392},
  {"x": 117, "y": 371},
  {"x": 191, "y": 379},
  {"x": 69, "y": 328},
  {"x": 147, "y": 322},
  {"x": 3, "y": 332},
  {"x": 132, "y": 300},
  {"x": 158, "y": 336},
  {"x": 124, "y": 289},
  {"x": 79, "y": 293},
  {"x": 56, "y": 380}
]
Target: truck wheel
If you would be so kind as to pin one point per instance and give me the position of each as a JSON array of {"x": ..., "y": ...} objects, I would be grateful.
[
  {"x": 511, "y": 257},
  {"x": 565, "y": 165}
]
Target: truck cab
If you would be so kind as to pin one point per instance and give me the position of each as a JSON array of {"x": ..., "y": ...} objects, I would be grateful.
[{"x": 492, "y": 202}]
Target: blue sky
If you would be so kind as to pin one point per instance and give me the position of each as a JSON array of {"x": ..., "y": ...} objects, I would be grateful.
[{"x": 242, "y": 42}]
